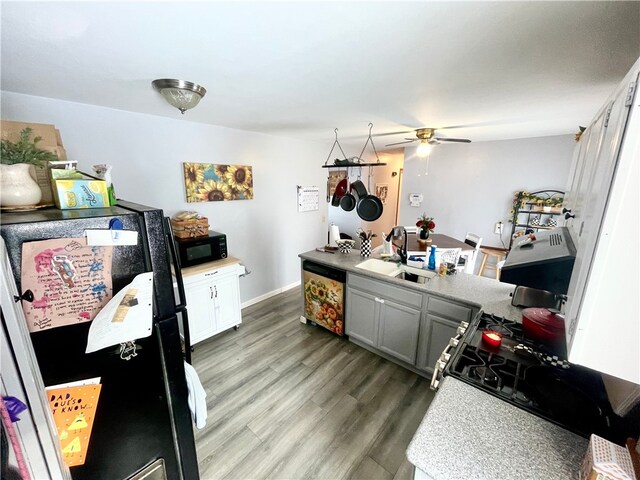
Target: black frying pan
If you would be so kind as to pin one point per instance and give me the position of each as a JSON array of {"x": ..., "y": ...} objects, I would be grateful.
[
  {"x": 369, "y": 208},
  {"x": 348, "y": 202}
]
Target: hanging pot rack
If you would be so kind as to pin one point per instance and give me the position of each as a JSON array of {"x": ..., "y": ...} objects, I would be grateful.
[{"x": 347, "y": 164}]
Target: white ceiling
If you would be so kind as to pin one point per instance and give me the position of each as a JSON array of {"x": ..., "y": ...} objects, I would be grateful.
[{"x": 299, "y": 69}]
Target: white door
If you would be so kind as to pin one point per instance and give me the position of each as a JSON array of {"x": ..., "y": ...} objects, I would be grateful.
[
  {"x": 226, "y": 301},
  {"x": 200, "y": 307}
]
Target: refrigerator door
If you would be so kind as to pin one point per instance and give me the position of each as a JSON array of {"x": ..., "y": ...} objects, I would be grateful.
[{"x": 142, "y": 409}]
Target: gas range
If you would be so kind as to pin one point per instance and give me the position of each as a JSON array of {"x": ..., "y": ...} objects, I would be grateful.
[{"x": 527, "y": 375}]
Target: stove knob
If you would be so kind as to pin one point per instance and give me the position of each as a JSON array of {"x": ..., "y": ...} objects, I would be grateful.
[
  {"x": 444, "y": 358},
  {"x": 461, "y": 329},
  {"x": 454, "y": 342}
]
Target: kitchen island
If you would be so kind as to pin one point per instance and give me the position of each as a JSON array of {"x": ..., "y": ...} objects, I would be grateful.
[
  {"x": 466, "y": 433},
  {"x": 485, "y": 293}
]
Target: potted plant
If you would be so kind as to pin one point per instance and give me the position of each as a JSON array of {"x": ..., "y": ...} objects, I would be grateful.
[
  {"x": 17, "y": 187},
  {"x": 426, "y": 225}
]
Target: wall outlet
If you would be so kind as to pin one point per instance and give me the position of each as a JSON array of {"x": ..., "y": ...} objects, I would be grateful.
[{"x": 498, "y": 228}]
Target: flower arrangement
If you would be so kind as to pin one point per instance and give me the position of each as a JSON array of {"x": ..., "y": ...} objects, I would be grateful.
[
  {"x": 25, "y": 150},
  {"x": 425, "y": 223}
]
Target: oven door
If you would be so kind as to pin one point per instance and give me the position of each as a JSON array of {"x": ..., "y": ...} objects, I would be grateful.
[{"x": 447, "y": 353}]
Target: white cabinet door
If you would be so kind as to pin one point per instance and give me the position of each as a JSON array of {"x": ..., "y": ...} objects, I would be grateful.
[
  {"x": 226, "y": 301},
  {"x": 200, "y": 308},
  {"x": 602, "y": 307}
]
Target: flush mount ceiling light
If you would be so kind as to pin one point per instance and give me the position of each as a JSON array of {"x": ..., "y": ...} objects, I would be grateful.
[{"x": 179, "y": 93}]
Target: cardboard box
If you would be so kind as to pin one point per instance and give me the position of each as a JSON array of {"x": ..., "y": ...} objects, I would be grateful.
[
  {"x": 73, "y": 191},
  {"x": 11, "y": 131},
  {"x": 606, "y": 461}
]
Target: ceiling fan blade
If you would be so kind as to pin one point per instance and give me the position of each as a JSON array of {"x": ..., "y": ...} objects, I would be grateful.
[
  {"x": 392, "y": 133},
  {"x": 400, "y": 143},
  {"x": 458, "y": 140}
]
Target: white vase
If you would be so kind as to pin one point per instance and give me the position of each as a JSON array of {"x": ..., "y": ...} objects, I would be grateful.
[{"x": 17, "y": 188}]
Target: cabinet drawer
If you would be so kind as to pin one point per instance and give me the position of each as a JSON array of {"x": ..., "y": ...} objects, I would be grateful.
[
  {"x": 378, "y": 287},
  {"x": 447, "y": 309}
]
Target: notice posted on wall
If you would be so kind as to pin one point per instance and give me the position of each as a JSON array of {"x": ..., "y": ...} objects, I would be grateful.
[
  {"x": 74, "y": 407},
  {"x": 70, "y": 281},
  {"x": 308, "y": 199}
]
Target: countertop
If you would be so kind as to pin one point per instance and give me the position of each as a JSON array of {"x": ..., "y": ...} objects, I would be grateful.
[
  {"x": 469, "y": 434},
  {"x": 488, "y": 294},
  {"x": 205, "y": 267}
]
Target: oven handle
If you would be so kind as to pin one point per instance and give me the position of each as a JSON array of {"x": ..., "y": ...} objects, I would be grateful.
[{"x": 442, "y": 362}]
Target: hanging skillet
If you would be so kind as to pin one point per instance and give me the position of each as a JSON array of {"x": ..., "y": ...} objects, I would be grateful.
[
  {"x": 348, "y": 201},
  {"x": 369, "y": 207}
]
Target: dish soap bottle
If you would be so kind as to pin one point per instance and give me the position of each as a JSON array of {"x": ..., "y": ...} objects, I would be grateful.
[{"x": 432, "y": 258}]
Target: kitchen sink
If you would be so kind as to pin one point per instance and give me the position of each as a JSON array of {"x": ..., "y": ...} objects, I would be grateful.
[
  {"x": 380, "y": 266},
  {"x": 397, "y": 270},
  {"x": 415, "y": 275}
]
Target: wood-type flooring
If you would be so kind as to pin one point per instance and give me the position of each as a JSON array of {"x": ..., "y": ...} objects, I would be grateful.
[{"x": 293, "y": 401}]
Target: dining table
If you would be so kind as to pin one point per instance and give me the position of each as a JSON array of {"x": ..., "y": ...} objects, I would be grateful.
[{"x": 442, "y": 242}]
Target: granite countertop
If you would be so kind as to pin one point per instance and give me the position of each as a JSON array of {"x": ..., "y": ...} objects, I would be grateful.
[
  {"x": 468, "y": 433},
  {"x": 488, "y": 294}
]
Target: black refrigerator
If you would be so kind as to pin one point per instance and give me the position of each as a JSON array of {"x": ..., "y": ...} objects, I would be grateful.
[{"x": 142, "y": 421}]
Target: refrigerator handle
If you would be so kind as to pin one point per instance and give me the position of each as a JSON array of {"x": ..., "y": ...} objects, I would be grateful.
[{"x": 182, "y": 306}]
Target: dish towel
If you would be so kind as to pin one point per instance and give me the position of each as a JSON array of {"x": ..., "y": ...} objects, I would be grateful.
[{"x": 197, "y": 396}]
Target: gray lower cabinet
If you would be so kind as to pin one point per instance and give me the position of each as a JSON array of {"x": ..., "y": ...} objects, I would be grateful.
[
  {"x": 437, "y": 327},
  {"x": 361, "y": 320},
  {"x": 384, "y": 317},
  {"x": 411, "y": 326},
  {"x": 398, "y": 331},
  {"x": 435, "y": 333}
]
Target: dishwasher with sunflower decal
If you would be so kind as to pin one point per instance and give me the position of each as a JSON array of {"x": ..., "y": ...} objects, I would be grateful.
[{"x": 324, "y": 296}]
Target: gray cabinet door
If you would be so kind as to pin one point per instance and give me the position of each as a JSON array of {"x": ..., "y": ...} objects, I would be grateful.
[
  {"x": 398, "y": 332},
  {"x": 361, "y": 322},
  {"x": 435, "y": 333}
]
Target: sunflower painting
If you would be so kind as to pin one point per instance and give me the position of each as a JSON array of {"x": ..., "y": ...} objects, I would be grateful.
[{"x": 206, "y": 182}]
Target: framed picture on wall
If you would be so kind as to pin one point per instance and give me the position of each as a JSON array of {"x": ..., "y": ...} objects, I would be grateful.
[
  {"x": 382, "y": 190},
  {"x": 208, "y": 182}
]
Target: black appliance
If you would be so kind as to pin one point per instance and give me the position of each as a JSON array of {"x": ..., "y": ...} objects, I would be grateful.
[
  {"x": 197, "y": 250},
  {"x": 324, "y": 292},
  {"x": 545, "y": 263},
  {"x": 529, "y": 376},
  {"x": 143, "y": 416}
]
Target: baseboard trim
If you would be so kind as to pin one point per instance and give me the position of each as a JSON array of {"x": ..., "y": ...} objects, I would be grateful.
[{"x": 270, "y": 294}]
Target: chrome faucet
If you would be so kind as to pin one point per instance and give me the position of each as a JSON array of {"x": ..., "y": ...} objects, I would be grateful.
[{"x": 397, "y": 232}]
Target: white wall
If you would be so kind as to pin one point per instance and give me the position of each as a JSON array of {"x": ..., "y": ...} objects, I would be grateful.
[
  {"x": 470, "y": 187},
  {"x": 266, "y": 233}
]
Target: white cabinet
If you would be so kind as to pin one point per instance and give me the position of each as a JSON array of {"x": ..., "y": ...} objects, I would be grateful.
[
  {"x": 602, "y": 308},
  {"x": 213, "y": 301}
]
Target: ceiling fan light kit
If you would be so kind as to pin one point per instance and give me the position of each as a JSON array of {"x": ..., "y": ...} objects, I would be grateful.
[
  {"x": 427, "y": 137},
  {"x": 180, "y": 94}
]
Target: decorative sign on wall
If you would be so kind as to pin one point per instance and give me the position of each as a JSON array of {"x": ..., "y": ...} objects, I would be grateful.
[
  {"x": 70, "y": 281},
  {"x": 382, "y": 191},
  {"x": 308, "y": 198},
  {"x": 208, "y": 182}
]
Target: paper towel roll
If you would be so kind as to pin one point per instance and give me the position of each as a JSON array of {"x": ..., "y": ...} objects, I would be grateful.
[{"x": 334, "y": 234}]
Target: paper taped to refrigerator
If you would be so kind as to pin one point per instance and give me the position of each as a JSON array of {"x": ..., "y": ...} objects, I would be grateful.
[
  {"x": 127, "y": 317},
  {"x": 74, "y": 406},
  {"x": 70, "y": 281}
]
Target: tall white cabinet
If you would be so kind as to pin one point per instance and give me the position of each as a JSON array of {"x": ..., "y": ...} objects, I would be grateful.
[
  {"x": 602, "y": 311},
  {"x": 213, "y": 297}
]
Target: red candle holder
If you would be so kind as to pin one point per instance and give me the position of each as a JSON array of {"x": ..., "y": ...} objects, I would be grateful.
[{"x": 491, "y": 338}]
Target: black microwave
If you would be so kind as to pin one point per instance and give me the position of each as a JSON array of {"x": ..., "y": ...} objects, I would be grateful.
[{"x": 197, "y": 250}]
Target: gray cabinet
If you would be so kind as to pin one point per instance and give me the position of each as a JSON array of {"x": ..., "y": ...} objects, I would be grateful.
[
  {"x": 362, "y": 323},
  {"x": 437, "y": 327},
  {"x": 398, "y": 332},
  {"x": 384, "y": 317}
]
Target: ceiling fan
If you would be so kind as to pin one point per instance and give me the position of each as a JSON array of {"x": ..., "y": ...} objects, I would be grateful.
[{"x": 427, "y": 136}]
